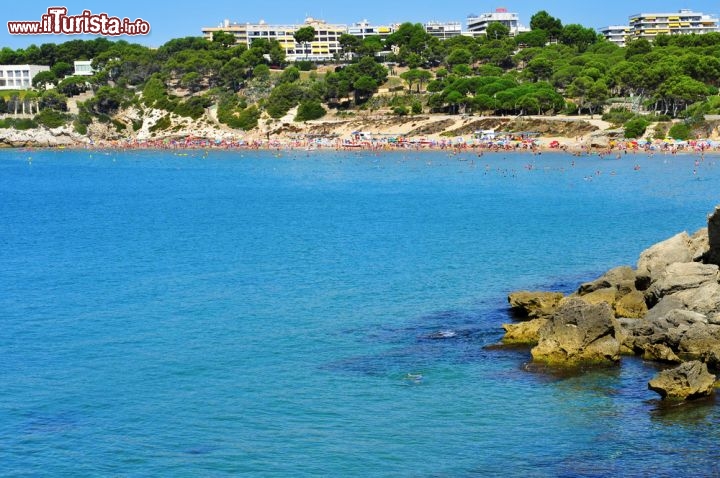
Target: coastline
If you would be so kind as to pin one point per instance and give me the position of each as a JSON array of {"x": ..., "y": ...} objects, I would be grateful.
[
  {"x": 577, "y": 136},
  {"x": 696, "y": 148},
  {"x": 475, "y": 151}
]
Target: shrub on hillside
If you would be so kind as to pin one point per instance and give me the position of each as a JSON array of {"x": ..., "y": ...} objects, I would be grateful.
[
  {"x": 680, "y": 131},
  {"x": 79, "y": 127},
  {"x": 282, "y": 98},
  {"x": 304, "y": 65},
  {"x": 119, "y": 125},
  {"x": 193, "y": 107},
  {"x": 51, "y": 118},
  {"x": 618, "y": 116},
  {"x": 161, "y": 124},
  {"x": 400, "y": 111},
  {"x": 635, "y": 128},
  {"x": 18, "y": 123},
  {"x": 247, "y": 119},
  {"x": 310, "y": 110},
  {"x": 571, "y": 109},
  {"x": 660, "y": 131}
]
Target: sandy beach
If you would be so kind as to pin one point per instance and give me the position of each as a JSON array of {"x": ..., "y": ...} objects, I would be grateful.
[{"x": 376, "y": 132}]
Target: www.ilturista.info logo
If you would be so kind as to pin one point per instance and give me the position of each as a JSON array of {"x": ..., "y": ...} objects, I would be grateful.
[{"x": 57, "y": 22}]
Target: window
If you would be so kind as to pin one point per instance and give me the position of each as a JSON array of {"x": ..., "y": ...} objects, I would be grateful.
[
  {"x": 17, "y": 73},
  {"x": 2, "y": 73},
  {"x": 2, "y": 82},
  {"x": 10, "y": 74},
  {"x": 26, "y": 73}
]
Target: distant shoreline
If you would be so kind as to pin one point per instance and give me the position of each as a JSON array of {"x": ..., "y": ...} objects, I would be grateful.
[
  {"x": 480, "y": 150},
  {"x": 577, "y": 135}
]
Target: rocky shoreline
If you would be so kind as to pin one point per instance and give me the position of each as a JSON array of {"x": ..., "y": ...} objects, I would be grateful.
[
  {"x": 41, "y": 138},
  {"x": 666, "y": 309}
]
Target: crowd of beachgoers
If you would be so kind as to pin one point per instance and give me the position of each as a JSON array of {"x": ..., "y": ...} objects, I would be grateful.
[{"x": 577, "y": 146}]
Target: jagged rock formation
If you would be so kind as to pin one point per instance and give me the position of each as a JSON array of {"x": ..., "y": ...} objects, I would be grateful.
[
  {"x": 666, "y": 310},
  {"x": 579, "y": 333},
  {"x": 40, "y": 137},
  {"x": 534, "y": 305},
  {"x": 713, "y": 234},
  {"x": 523, "y": 333},
  {"x": 687, "y": 381}
]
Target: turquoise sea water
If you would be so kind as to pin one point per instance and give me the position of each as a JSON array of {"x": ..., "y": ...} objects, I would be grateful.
[{"x": 249, "y": 314}]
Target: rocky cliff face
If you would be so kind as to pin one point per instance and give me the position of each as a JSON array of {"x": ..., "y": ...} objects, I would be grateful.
[
  {"x": 123, "y": 127},
  {"x": 40, "y": 137}
]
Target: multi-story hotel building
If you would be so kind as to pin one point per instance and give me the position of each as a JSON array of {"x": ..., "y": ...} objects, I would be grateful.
[
  {"x": 649, "y": 25},
  {"x": 477, "y": 24},
  {"x": 327, "y": 41},
  {"x": 443, "y": 30},
  {"x": 616, "y": 34},
  {"x": 684, "y": 22},
  {"x": 364, "y": 29},
  {"x": 19, "y": 77},
  {"x": 324, "y": 47}
]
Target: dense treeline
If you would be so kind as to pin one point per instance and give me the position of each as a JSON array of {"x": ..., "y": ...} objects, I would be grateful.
[{"x": 552, "y": 69}]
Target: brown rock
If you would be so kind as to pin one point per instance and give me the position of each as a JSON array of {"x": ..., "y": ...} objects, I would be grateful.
[
  {"x": 599, "y": 296},
  {"x": 713, "y": 254},
  {"x": 632, "y": 306},
  {"x": 700, "y": 244},
  {"x": 619, "y": 278},
  {"x": 523, "y": 333},
  {"x": 684, "y": 382},
  {"x": 655, "y": 259},
  {"x": 681, "y": 276},
  {"x": 578, "y": 333},
  {"x": 534, "y": 305},
  {"x": 704, "y": 299},
  {"x": 698, "y": 340},
  {"x": 660, "y": 353}
]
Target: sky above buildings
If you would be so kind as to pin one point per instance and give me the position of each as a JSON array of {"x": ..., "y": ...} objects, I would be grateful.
[{"x": 185, "y": 18}]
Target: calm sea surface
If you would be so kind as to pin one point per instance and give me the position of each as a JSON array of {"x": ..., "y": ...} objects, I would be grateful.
[{"x": 253, "y": 314}]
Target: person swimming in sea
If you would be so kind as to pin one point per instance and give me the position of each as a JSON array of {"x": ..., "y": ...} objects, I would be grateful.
[{"x": 414, "y": 377}]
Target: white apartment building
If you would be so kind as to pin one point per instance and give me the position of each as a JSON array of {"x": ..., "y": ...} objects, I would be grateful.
[
  {"x": 443, "y": 30},
  {"x": 684, "y": 22},
  {"x": 364, "y": 29},
  {"x": 616, "y": 34},
  {"x": 477, "y": 24},
  {"x": 83, "y": 68},
  {"x": 323, "y": 48},
  {"x": 19, "y": 77}
]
